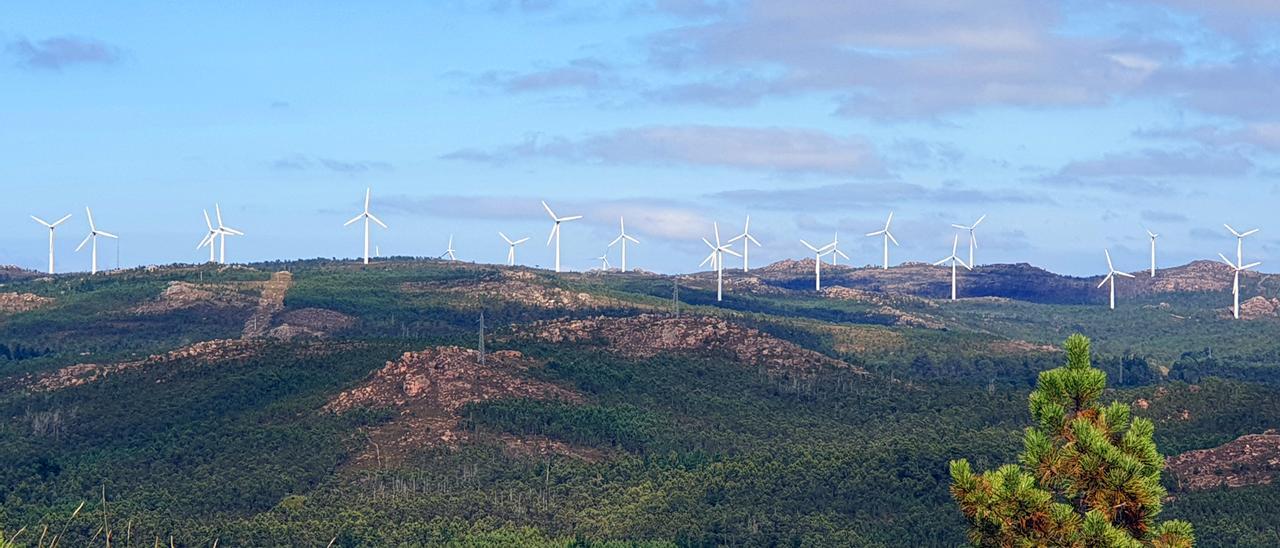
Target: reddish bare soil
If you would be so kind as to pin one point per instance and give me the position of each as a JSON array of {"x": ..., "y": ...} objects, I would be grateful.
[
  {"x": 427, "y": 390},
  {"x": 1252, "y": 459},
  {"x": 184, "y": 295},
  {"x": 310, "y": 322},
  {"x": 647, "y": 335},
  {"x": 520, "y": 287},
  {"x": 271, "y": 302},
  {"x": 202, "y": 352}
]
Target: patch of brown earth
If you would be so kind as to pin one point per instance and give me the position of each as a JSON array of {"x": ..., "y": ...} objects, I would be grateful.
[
  {"x": 270, "y": 303},
  {"x": 184, "y": 295},
  {"x": 647, "y": 335},
  {"x": 1252, "y": 459},
  {"x": 13, "y": 303},
  {"x": 1255, "y": 308},
  {"x": 857, "y": 339},
  {"x": 1015, "y": 346},
  {"x": 202, "y": 352},
  {"x": 1196, "y": 276},
  {"x": 427, "y": 391}
]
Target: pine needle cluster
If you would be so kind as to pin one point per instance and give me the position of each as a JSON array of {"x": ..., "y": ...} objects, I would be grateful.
[{"x": 1089, "y": 474}]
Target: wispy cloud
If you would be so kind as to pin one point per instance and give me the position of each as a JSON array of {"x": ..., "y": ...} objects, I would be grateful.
[
  {"x": 1261, "y": 135},
  {"x": 299, "y": 162},
  {"x": 1152, "y": 170},
  {"x": 782, "y": 150},
  {"x": 583, "y": 74},
  {"x": 879, "y": 194},
  {"x": 62, "y": 51}
]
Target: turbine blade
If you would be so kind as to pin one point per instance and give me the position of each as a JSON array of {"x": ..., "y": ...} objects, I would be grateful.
[
  {"x": 753, "y": 240},
  {"x": 376, "y": 220},
  {"x": 208, "y": 239},
  {"x": 41, "y": 221},
  {"x": 1250, "y": 265},
  {"x": 730, "y": 251},
  {"x": 939, "y": 263},
  {"x": 887, "y": 221},
  {"x": 353, "y": 219},
  {"x": 62, "y": 220},
  {"x": 964, "y": 264},
  {"x": 505, "y": 238},
  {"x": 979, "y": 221},
  {"x": 231, "y": 231},
  {"x": 810, "y": 246},
  {"x": 961, "y": 227},
  {"x": 713, "y": 248},
  {"x": 88, "y": 213},
  {"x": 841, "y": 253},
  {"x": 520, "y": 241},
  {"x": 628, "y": 237},
  {"x": 716, "y": 226},
  {"x": 1228, "y": 261},
  {"x": 1233, "y": 231},
  {"x": 549, "y": 212},
  {"x": 85, "y": 241},
  {"x": 206, "y": 219},
  {"x": 891, "y": 238},
  {"x": 554, "y": 229},
  {"x": 876, "y": 233},
  {"x": 571, "y": 218},
  {"x": 955, "y": 242},
  {"x": 1249, "y": 232},
  {"x": 218, "y": 210},
  {"x": 1125, "y": 274},
  {"x": 108, "y": 234},
  {"x": 1109, "y": 266},
  {"x": 615, "y": 241},
  {"x": 708, "y": 259},
  {"x": 1105, "y": 280},
  {"x": 367, "y": 192}
]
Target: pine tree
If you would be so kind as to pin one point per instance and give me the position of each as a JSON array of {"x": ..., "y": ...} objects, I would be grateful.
[{"x": 1089, "y": 474}]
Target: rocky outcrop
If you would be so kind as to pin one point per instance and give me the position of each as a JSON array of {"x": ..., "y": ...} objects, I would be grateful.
[
  {"x": 310, "y": 323},
  {"x": 13, "y": 303},
  {"x": 1255, "y": 308},
  {"x": 1253, "y": 459},
  {"x": 647, "y": 335},
  {"x": 427, "y": 391},
  {"x": 520, "y": 287},
  {"x": 84, "y": 373},
  {"x": 184, "y": 295}
]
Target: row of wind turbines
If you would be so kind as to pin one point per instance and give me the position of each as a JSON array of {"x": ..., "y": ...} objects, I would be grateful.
[{"x": 217, "y": 236}]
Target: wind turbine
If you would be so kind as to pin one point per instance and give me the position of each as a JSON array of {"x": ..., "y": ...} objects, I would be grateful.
[
  {"x": 716, "y": 258},
  {"x": 51, "y": 227},
  {"x": 887, "y": 238},
  {"x": 93, "y": 235},
  {"x": 210, "y": 237},
  {"x": 1111, "y": 277},
  {"x": 224, "y": 231},
  {"x": 604, "y": 260},
  {"x": 973, "y": 239},
  {"x": 956, "y": 260},
  {"x": 555, "y": 230},
  {"x": 818, "y": 252},
  {"x": 1240, "y": 242},
  {"x": 511, "y": 250},
  {"x": 448, "y": 250},
  {"x": 623, "y": 238},
  {"x": 747, "y": 240},
  {"x": 835, "y": 249},
  {"x": 1235, "y": 286},
  {"x": 1153, "y": 237},
  {"x": 367, "y": 217}
]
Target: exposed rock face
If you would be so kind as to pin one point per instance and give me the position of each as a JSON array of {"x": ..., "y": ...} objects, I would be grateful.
[
  {"x": 84, "y": 373},
  {"x": 10, "y": 273},
  {"x": 520, "y": 287},
  {"x": 271, "y": 302},
  {"x": 1252, "y": 459},
  {"x": 310, "y": 322},
  {"x": 427, "y": 391},
  {"x": 1256, "y": 308},
  {"x": 648, "y": 335},
  {"x": 13, "y": 303},
  {"x": 184, "y": 295}
]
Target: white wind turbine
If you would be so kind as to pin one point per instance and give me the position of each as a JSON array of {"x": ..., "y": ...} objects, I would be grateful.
[
  {"x": 1111, "y": 277},
  {"x": 367, "y": 217},
  {"x": 818, "y": 252},
  {"x": 224, "y": 231},
  {"x": 716, "y": 258},
  {"x": 511, "y": 248},
  {"x": 747, "y": 240},
  {"x": 51, "y": 227},
  {"x": 622, "y": 238},
  {"x": 955, "y": 243},
  {"x": 1153, "y": 237},
  {"x": 973, "y": 239},
  {"x": 209, "y": 238},
  {"x": 555, "y": 230},
  {"x": 1240, "y": 241},
  {"x": 888, "y": 237},
  {"x": 1235, "y": 286},
  {"x": 448, "y": 250},
  {"x": 604, "y": 260},
  {"x": 93, "y": 235}
]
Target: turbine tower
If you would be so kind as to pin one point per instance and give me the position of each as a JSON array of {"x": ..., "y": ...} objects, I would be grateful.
[
  {"x": 955, "y": 243},
  {"x": 716, "y": 258},
  {"x": 818, "y": 252},
  {"x": 367, "y": 217},
  {"x": 224, "y": 231},
  {"x": 747, "y": 240},
  {"x": 93, "y": 235},
  {"x": 209, "y": 238},
  {"x": 555, "y": 230},
  {"x": 511, "y": 249},
  {"x": 888, "y": 237},
  {"x": 1153, "y": 237},
  {"x": 51, "y": 226},
  {"x": 622, "y": 238},
  {"x": 1111, "y": 277},
  {"x": 973, "y": 239},
  {"x": 448, "y": 250},
  {"x": 1235, "y": 286}
]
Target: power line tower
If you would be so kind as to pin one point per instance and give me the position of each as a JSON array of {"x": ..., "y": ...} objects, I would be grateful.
[
  {"x": 482, "y": 336},
  {"x": 675, "y": 295}
]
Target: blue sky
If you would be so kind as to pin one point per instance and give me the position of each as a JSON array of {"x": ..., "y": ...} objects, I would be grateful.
[{"x": 1074, "y": 125}]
